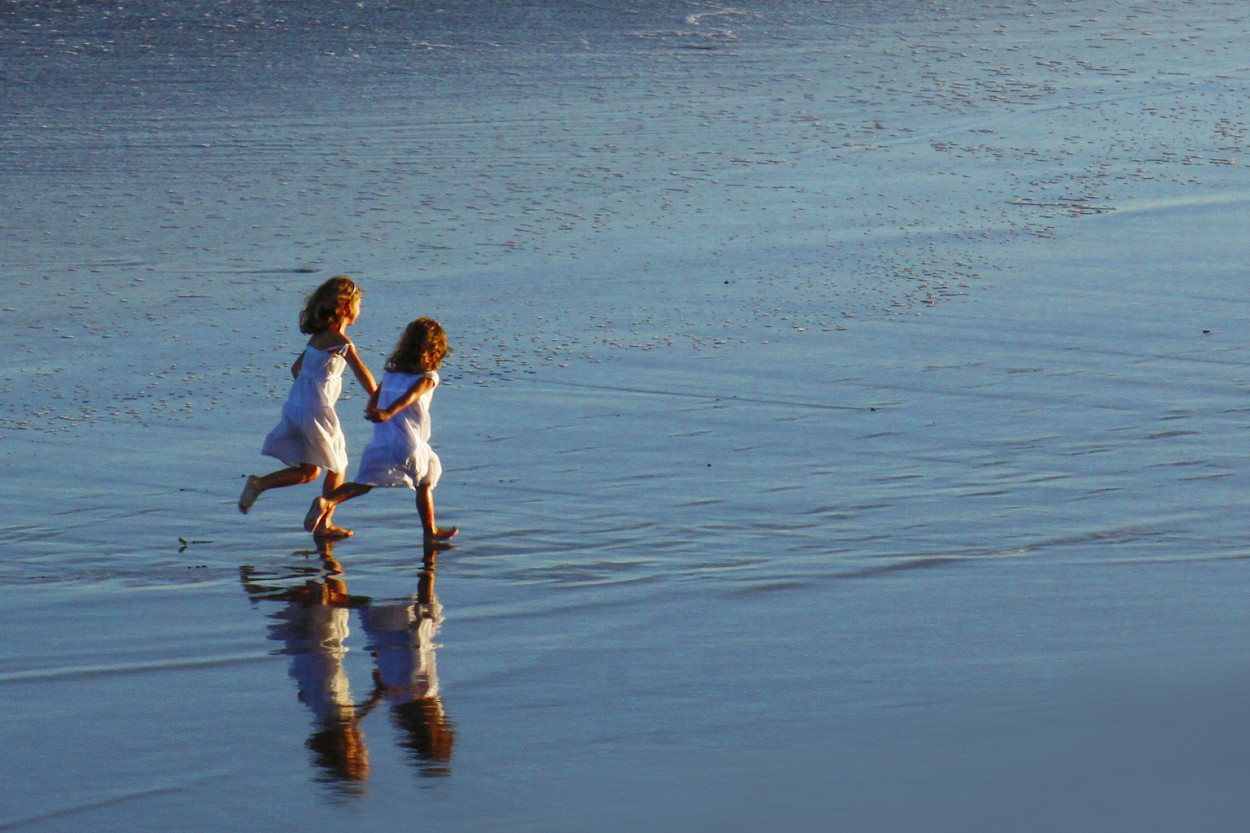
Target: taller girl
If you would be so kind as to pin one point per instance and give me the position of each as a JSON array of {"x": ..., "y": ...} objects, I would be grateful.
[{"x": 309, "y": 437}]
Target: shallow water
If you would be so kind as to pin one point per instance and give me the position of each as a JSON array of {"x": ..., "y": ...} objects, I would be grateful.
[{"x": 843, "y": 423}]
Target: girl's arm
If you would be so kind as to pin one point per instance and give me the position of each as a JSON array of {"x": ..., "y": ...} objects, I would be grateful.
[
  {"x": 419, "y": 389},
  {"x": 298, "y": 364},
  {"x": 371, "y": 408},
  {"x": 358, "y": 367}
]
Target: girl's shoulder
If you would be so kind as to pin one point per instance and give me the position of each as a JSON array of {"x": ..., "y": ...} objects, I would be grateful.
[
  {"x": 404, "y": 375},
  {"x": 329, "y": 341},
  {"x": 400, "y": 378}
]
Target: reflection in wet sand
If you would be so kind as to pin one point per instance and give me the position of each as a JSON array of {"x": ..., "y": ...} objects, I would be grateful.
[
  {"x": 401, "y": 640},
  {"x": 314, "y": 630}
]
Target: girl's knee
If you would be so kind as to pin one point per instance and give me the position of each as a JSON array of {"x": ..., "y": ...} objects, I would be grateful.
[{"x": 309, "y": 472}]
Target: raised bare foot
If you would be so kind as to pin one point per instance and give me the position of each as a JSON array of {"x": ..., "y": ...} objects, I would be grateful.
[
  {"x": 441, "y": 534},
  {"x": 316, "y": 513},
  {"x": 250, "y": 493}
]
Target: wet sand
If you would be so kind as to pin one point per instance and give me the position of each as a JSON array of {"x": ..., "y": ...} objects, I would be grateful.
[{"x": 844, "y": 423}]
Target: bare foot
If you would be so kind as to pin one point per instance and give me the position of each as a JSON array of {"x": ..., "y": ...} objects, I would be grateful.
[
  {"x": 441, "y": 534},
  {"x": 250, "y": 493},
  {"x": 316, "y": 513},
  {"x": 331, "y": 532}
]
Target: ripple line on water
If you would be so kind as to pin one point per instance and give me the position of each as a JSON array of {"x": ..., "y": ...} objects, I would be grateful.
[
  {"x": 45, "y": 674},
  {"x": 113, "y": 800}
]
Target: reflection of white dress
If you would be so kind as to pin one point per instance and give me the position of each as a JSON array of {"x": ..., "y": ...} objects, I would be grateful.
[
  {"x": 401, "y": 637},
  {"x": 309, "y": 431},
  {"x": 399, "y": 453},
  {"x": 314, "y": 636}
]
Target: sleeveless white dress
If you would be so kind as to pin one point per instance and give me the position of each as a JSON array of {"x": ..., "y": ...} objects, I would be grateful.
[
  {"x": 309, "y": 431},
  {"x": 399, "y": 453}
]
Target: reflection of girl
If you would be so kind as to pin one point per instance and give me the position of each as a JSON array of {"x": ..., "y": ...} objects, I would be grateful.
[
  {"x": 401, "y": 638},
  {"x": 313, "y": 629}
]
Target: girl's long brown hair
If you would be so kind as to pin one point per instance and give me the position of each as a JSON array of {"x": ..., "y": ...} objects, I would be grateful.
[
  {"x": 329, "y": 304},
  {"x": 422, "y": 347}
]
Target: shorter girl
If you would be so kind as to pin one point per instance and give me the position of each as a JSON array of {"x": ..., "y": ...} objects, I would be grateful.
[
  {"x": 399, "y": 453},
  {"x": 309, "y": 437}
]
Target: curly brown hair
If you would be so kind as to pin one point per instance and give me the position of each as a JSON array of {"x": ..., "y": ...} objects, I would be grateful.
[
  {"x": 328, "y": 305},
  {"x": 422, "y": 347}
]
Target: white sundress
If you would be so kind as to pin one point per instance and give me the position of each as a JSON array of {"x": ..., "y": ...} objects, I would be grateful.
[
  {"x": 309, "y": 431},
  {"x": 399, "y": 453}
]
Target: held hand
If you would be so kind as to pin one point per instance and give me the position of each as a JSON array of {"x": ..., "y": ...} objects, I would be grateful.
[{"x": 371, "y": 408}]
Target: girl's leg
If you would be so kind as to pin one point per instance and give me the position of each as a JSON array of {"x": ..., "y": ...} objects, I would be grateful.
[
  {"x": 291, "y": 476},
  {"x": 325, "y": 527},
  {"x": 425, "y": 508},
  {"x": 314, "y": 521}
]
